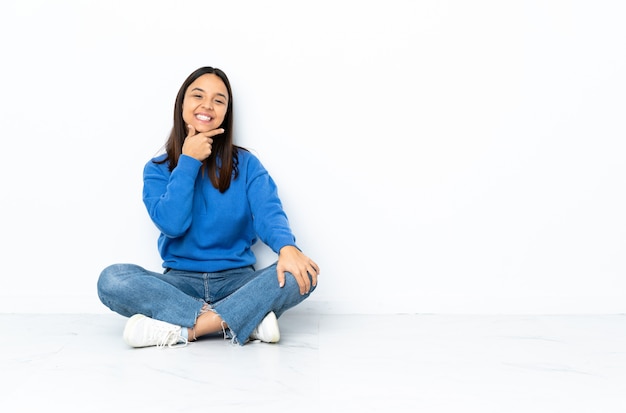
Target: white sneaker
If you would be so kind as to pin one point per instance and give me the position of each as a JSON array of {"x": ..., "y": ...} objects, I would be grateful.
[
  {"x": 268, "y": 330},
  {"x": 142, "y": 331}
]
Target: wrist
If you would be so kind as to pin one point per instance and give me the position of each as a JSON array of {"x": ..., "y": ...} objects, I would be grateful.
[{"x": 288, "y": 248}]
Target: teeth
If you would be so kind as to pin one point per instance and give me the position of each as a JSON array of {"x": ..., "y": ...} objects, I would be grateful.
[{"x": 203, "y": 117}]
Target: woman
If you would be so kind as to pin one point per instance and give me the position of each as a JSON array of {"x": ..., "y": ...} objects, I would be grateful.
[{"x": 211, "y": 200}]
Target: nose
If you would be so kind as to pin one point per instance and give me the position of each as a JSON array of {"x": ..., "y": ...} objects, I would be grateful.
[{"x": 208, "y": 104}]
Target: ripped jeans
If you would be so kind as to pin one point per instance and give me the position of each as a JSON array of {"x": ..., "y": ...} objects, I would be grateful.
[{"x": 242, "y": 297}]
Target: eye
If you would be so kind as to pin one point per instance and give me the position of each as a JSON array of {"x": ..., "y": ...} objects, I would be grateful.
[{"x": 221, "y": 102}]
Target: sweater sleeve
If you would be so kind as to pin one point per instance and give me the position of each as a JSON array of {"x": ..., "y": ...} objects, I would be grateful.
[
  {"x": 168, "y": 197},
  {"x": 270, "y": 220}
]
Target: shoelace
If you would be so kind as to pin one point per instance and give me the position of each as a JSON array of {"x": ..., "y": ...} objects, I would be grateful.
[{"x": 169, "y": 338}]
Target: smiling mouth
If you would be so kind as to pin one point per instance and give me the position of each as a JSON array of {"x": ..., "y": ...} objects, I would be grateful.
[{"x": 204, "y": 118}]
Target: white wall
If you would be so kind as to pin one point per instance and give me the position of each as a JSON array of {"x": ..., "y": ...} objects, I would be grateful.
[{"x": 433, "y": 156}]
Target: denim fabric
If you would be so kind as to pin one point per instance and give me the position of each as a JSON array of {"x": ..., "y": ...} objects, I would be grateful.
[{"x": 242, "y": 297}]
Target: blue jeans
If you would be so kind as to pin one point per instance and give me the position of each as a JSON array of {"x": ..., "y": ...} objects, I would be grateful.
[{"x": 241, "y": 297}]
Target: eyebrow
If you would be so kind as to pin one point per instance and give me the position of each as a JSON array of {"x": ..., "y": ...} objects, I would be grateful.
[{"x": 203, "y": 91}]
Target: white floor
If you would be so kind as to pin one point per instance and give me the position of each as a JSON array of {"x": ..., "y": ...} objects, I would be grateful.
[{"x": 329, "y": 363}]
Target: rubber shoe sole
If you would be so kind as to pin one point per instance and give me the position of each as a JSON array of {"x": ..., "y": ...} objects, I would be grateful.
[{"x": 268, "y": 330}]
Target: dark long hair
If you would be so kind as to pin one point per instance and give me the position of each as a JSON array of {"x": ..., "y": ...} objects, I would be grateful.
[{"x": 222, "y": 165}]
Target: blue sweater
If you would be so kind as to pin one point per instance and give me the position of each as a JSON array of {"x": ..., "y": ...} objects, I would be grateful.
[{"x": 204, "y": 230}]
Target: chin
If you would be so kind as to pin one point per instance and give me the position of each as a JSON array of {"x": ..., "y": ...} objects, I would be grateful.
[{"x": 203, "y": 128}]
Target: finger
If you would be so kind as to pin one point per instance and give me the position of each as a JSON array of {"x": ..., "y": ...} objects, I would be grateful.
[
  {"x": 313, "y": 274},
  {"x": 281, "y": 279},
  {"x": 315, "y": 267},
  {"x": 214, "y": 132},
  {"x": 305, "y": 286},
  {"x": 191, "y": 130},
  {"x": 315, "y": 270}
]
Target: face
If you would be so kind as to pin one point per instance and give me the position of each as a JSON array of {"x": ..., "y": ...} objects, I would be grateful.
[{"x": 205, "y": 103}]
